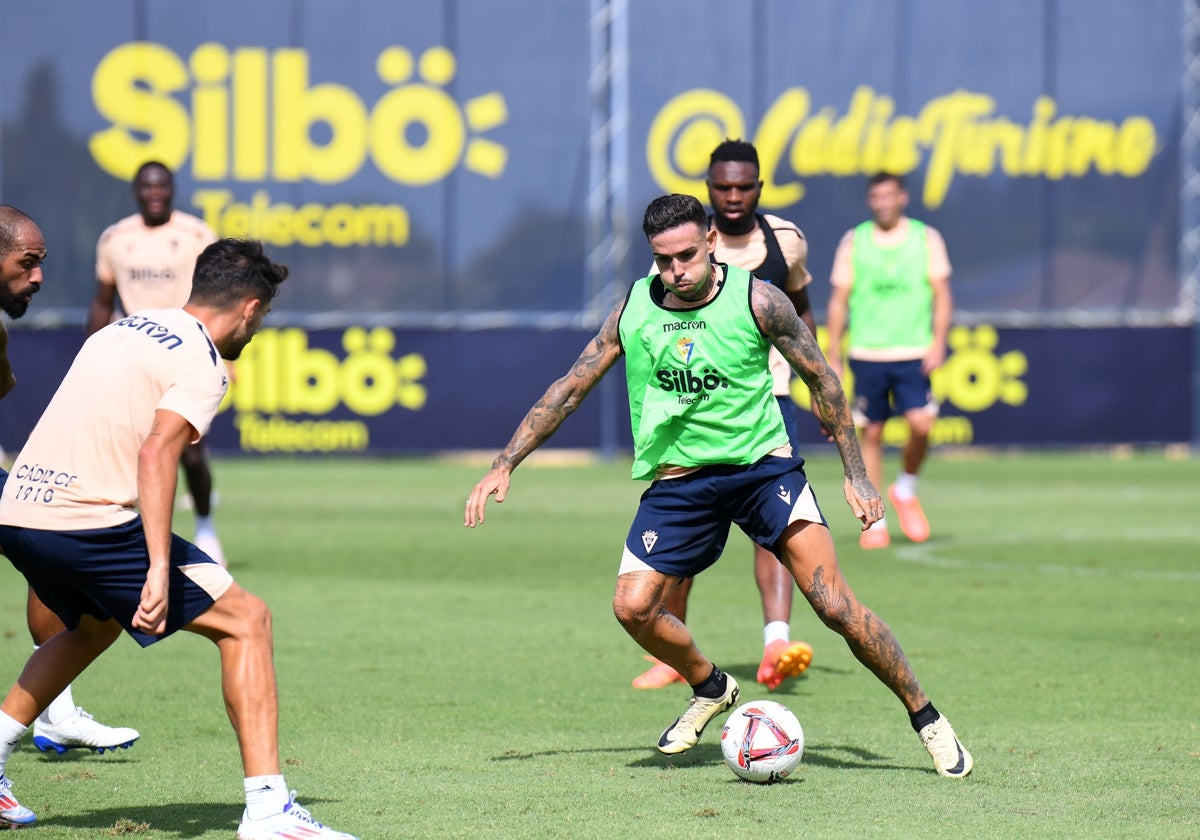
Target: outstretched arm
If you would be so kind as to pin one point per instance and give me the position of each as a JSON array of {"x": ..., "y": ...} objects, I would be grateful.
[
  {"x": 777, "y": 317},
  {"x": 547, "y": 414}
]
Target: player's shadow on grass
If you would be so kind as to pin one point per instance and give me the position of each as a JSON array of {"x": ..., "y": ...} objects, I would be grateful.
[
  {"x": 73, "y": 757},
  {"x": 835, "y": 756},
  {"x": 847, "y": 757},
  {"x": 518, "y": 755},
  {"x": 178, "y": 819},
  {"x": 701, "y": 755}
]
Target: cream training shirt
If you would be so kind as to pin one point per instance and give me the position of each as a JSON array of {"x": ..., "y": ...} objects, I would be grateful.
[
  {"x": 749, "y": 251},
  {"x": 151, "y": 266},
  {"x": 79, "y": 467}
]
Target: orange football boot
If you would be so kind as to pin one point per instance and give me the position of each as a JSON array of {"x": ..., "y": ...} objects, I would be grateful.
[
  {"x": 659, "y": 675},
  {"x": 912, "y": 519},
  {"x": 875, "y": 538},
  {"x": 783, "y": 659}
]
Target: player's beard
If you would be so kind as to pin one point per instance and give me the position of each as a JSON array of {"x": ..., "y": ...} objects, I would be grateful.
[
  {"x": 13, "y": 305},
  {"x": 233, "y": 350}
]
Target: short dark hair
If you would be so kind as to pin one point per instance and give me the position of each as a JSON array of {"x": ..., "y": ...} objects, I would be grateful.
[
  {"x": 884, "y": 177},
  {"x": 668, "y": 212},
  {"x": 11, "y": 219},
  {"x": 230, "y": 270},
  {"x": 734, "y": 151},
  {"x": 153, "y": 164}
]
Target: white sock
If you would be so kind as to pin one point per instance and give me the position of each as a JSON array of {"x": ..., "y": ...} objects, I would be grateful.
[
  {"x": 775, "y": 631},
  {"x": 265, "y": 796},
  {"x": 11, "y": 734},
  {"x": 905, "y": 486},
  {"x": 60, "y": 708},
  {"x": 881, "y": 525},
  {"x": 205, "y": 526}
]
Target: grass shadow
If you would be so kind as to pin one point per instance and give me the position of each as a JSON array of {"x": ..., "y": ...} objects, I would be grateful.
[
  {"x": 847, "y": 757},
  {"x": 177, "y": 819},
  {"x": 182, "y": 819},
  {"x": 517, "y": 755}
]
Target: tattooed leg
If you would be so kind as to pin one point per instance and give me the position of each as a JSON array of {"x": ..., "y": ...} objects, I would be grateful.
[
  {"x": 639, "y": 603},
  {"x": 807, "y": 549}
]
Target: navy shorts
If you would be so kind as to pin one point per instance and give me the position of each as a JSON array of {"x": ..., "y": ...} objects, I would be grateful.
[
  {"x": 791, "y": 420},
  {"x": 101, "y": 571},
  {"x": 885, "y": 389},
  {"x": 682, "y": 524}
]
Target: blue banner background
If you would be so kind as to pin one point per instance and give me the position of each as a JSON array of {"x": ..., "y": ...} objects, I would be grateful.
[
  {"x": 476, "y": 124},
  {"x": 447, "y": 390}
]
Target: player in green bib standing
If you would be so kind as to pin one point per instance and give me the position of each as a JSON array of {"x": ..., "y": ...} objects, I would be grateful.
[
  {"x": 891, "y": 286},
  {"x": 709, "y": 436}
]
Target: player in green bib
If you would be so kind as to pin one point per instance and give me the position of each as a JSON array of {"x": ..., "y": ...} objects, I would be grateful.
[
  {"x": 891, "y": 286},
  {"x": 708, "y": 434},
  {"x": 699, "y": 387},
  {"x": 776, "y": 251}
]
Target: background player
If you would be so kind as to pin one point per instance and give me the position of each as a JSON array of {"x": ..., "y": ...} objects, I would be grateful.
[
  {"x": 62, "y": 725},
  {"x": 147, "y": 259},
  {"x": 891, "y": 284}
]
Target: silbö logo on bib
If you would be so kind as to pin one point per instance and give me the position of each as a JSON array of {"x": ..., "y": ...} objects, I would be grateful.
[{"x": 691, "y": 387}]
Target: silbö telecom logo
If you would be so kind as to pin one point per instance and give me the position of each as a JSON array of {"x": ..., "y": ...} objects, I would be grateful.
[
  {"x": 691, "y": 387},
  {"x": 244, "y": 115}
]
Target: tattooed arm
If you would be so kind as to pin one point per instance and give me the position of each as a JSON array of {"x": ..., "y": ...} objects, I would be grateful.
[
  {"x": 777, "y": 318},
  {"x": 548, "y": 413}
]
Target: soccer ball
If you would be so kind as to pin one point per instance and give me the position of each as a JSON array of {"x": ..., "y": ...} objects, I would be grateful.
[{"x": 762, "y": 741}]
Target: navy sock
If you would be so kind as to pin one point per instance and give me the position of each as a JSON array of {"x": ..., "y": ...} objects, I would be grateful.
[
  {"x": 713, "y": 687},
  {"x": 923, "y": 717}
]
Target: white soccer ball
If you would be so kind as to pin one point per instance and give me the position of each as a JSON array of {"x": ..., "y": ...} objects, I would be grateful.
[{"x": 762, "y": 741}]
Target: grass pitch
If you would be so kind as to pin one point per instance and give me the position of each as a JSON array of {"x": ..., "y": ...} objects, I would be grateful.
[{"x": 441, "y": 682}]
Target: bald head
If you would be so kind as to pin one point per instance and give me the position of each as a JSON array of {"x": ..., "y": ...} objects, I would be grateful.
[
  {"x": 12, "y": 223},
  {"x": 22, "y": 250}
]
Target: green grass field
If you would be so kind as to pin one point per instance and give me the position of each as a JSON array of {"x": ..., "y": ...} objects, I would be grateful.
[{"x": 438, "y": 682}]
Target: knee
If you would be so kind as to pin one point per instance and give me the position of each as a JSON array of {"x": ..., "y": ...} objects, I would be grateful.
[
  {"x": 254, "y": 617},
  {"x": 260, "y": 615},
  {"x": 920, "y": 423},
  {"x": 43, "y": 624},
  {"x": 634, "y": 616},
  {"x": 93, "y": 635}
]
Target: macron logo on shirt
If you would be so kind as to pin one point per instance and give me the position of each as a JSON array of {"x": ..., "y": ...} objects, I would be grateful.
[{"x": 153, "y": 329}]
